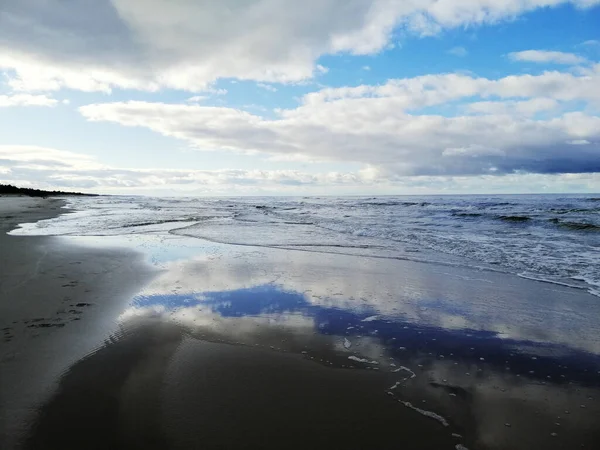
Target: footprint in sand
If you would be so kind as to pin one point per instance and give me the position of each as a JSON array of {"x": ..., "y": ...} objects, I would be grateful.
[
  {"x": 7, "y": 334},
  {"x": 81, "y": 305}
]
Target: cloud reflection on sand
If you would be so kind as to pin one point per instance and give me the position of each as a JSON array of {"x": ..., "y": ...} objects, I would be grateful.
[
  {"x": 477, "y": 394},
  {"x": 425, "y": 295}
]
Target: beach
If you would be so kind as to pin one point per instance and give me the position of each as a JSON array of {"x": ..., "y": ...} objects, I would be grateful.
[
  {"x": 56, "y": 305},
  {"x": 162, "y": 338}
]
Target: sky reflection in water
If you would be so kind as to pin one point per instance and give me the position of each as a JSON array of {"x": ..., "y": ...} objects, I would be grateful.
[
  {"x": 400, "y": 338},
  {"x": 486, "y": 349}
]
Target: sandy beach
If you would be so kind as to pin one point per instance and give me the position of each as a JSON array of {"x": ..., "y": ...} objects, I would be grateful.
[
  {"x": 312, "y": 225},
  {"x": 228, "y": 346},
  {"x": 57, "y": 302}
]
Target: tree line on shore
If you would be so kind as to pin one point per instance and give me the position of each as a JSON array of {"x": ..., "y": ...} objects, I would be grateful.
[{"x": 8, "y": 189}]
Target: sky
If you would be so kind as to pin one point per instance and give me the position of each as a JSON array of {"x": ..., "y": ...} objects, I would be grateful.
[{"x": 318, "y": 97}]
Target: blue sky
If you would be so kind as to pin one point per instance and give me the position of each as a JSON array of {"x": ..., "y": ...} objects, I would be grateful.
[{"x": 325, "y": 97}]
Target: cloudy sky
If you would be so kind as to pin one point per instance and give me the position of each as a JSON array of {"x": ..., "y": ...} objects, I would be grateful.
[{"x": 228, "y": 97}]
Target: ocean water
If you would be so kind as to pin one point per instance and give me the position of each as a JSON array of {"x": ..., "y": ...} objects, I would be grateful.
[{"x": 552, "y": 238}]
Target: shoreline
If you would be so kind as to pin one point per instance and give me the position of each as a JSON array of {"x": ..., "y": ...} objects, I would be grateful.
[
  {"x": 238, "y": 345},
  {"x": 476, "y": 266}
]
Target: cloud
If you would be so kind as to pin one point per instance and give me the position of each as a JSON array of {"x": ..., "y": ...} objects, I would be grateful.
[
  {"x": 215, "y": 91},
  {"x": 381, "y": 126},
  {"x": 458, "y": 51},
  {"x": 26, "y": 100},
  {"x": 197, "y": 98},
  {"x": 267, "y": 87},
  {"x": 207, "y": 91},
  {"x": 99, "y": 45},
  {"x": 547, "y": 57},
  {"x": 525, "y": 108},
  {"x": 475, "y": 150},
  {"x": 35, "y": 157},
  {"x": 49, "y": 168}
]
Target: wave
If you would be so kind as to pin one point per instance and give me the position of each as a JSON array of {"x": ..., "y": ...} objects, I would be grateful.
[
  {"x": 578, "y": 226},
  {"x": 158, "y": 222},
  {"x": 464, "y": 214},
  {"x": 392, "y": 203},
  {"x": 543, "y": 279},
  {"x": 280, "y": 208},
  {"x": 485, "y": 205},
  {"x": 297, "y": 223},
  {"x": 574, "y": 210},
  {"x": 515, "y": 219}
]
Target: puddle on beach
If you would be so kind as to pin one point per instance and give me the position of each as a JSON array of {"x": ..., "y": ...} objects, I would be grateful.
[{"x": 487, "y": 360}]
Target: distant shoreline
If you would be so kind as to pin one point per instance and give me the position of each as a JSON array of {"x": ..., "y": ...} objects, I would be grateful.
[{"x": 8, "y": 189}]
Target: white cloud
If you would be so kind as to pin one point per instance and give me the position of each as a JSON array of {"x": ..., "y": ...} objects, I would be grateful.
[
  {"x": 475, "y": 150},
  {"x": 35, "y": 157},
  {"x": 579, "y": 142},
  {"x": 548, "y": 57},
  {"x": 458, "y": 51},
  {"x": 49, "y": 168},
  {"x": 430, "y": 90},
  {"x": 366, "y": 68},
  {"x": 207, "y": 91},
  {"x": 181, "y": 44},
  {"x": 26, "y": 100},
  {"x": 381, "y": 126},
  {"x": 197, "y": 98},
  {"x": 215, "y": 91},
  {"x": 267, "y": 87},
  {"x": 521, "y": 108}
]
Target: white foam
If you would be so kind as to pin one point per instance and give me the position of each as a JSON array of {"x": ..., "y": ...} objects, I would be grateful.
[
  {"x": 362, "y": 360},
  {"x": 370, "y": 319},
  {"x": 412, "y": 374},
  {"x": 347, "y": 343},
  {"x": 425, "y": 413},
  {"x": 548, "y": 280}
]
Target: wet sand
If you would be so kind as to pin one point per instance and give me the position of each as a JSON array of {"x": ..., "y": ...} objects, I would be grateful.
[
  {"x": 57, "y": 303},
  {"x": 242, "y": 347},
  {"x": 156, "y": 388}
]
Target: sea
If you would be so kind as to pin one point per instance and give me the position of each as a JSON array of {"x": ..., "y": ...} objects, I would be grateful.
[{"x": 549, "y": 238}]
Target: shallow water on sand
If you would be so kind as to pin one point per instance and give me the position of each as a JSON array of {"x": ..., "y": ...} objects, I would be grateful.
[
  {"x": 555, "y": 238},
  {"x": 253, "y": 347}
]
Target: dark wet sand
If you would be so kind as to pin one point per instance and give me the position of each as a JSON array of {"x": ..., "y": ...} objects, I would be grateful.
[
  {"x": 221, "y": 396},
  {"x": 244, "y": 348},
  {"x": 57, "y": 302}
]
